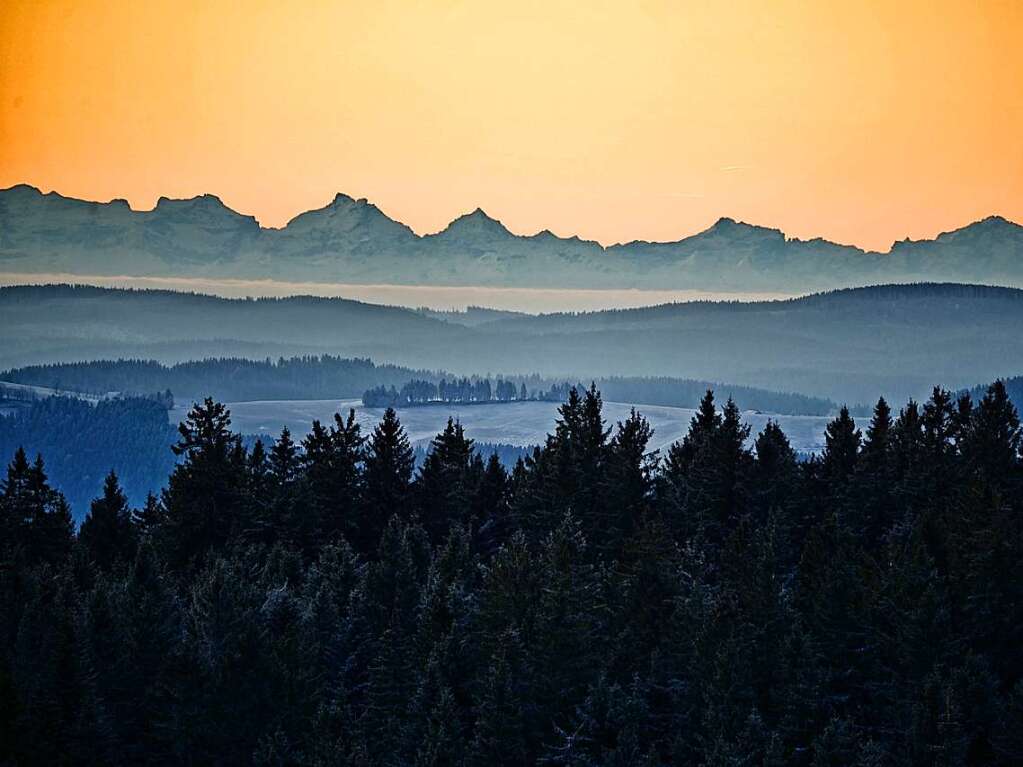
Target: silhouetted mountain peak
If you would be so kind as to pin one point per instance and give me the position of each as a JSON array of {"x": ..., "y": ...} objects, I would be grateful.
[
  {"x": 992, "y": 232},
  {"x": 347, "y": 219},
  {"x": 21, "y": 190},
  {"x": 344, "y": 201},
  {"x": 181, "y": 202},
  {"x": 993, "y": 224},
  {"x": 476, "y": 223},
  {"x": 204, "y": 209},
  {"x": 726, "y": 227}
]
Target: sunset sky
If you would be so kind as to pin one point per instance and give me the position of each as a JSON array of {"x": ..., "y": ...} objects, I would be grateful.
[{"x": 863, "y": 122}]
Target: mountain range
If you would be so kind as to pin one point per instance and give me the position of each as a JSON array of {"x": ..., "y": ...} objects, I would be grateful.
[{"x": 352, "y": 241}]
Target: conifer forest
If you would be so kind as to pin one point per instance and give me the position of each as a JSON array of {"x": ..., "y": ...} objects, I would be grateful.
[{"x": 320, "y": 601}]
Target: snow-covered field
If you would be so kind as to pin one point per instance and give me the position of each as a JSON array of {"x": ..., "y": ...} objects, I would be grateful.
[
  {"x": 514, "y": 423},
  {"x": 46, "y": 391}
]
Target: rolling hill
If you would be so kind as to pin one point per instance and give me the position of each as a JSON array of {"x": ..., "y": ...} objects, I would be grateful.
[{"x": 849, "y": 345}]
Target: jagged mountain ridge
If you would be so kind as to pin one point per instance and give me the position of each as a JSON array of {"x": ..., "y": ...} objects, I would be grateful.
[{"x": 352, "y": 240}]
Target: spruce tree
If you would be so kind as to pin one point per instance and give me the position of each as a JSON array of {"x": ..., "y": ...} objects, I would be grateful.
[
  {"x": 284, "y": 459},
  {"x": 877, "y": 444},
  {"x": 332, "y": 460},
  {"x": 37, "y": 522},
  {"x": 842, "y": 445},
  {"x": 15, "y": 505},
  {"x": 490, "y": 507},
  {"x": 626, "y": 486},
  {"x": 446, "y": 482},
  {"x": 205, "y": 502},
  {"x": 875, "y": 513},
  {"x": 388, "y": 472},
  {"x": 775, "y": 495},
  {"x": 148, "y": 519},
  {"x": 678, "y": 480},
  {"x": 107, "y": 532},
  {"x": 994, "y": 438}
]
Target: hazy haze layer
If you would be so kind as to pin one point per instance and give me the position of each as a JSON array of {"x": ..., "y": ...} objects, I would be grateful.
[
  {"x": 532, "y": 300},
  {"x": 850, "y": 345}
]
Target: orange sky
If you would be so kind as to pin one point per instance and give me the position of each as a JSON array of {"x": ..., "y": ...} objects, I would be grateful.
[{"x": 860, "y": 121}]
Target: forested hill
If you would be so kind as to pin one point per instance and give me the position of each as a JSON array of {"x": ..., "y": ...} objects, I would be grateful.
[
  {"x": 329, "y": 605},
  {"x": 327, "y": 377},
  {"x": 849, "y": 346},
  {"x": 83, "y": 441},
  {"x": 1013, "y": 387},
  {"x": 352, "y": 240},
  {"x": 227, "y": 379},
  {"x": 844, "y": 305}
]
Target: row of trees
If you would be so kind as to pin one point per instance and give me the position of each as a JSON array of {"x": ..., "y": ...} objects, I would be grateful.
[
  {"x": 460, "y": 390},
  {"x": 227, "y": 378},
  {"x": 329, "y": 377},
  {"x": 721, "y": 604}
]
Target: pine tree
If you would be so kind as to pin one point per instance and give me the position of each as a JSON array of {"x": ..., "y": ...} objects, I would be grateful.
[
  {"x": 715, "y": 484},
  {"x": 909, "y": 465},
  {"x": 940, "y": 421},
  {"x": 446, "y": 482},
  {"x": 333, "y": 460},
  {"x": 679, "y": 481},
  {"x": 702, "y": 429},
  {"x": 289, "y": 518},
  {"x": 876, "y": 446},
  {"x": 626, "y": 486},
  {"x": 37, "y": 523},
  {"x": 284, "y": 459},
  {"x": 994, "y": 437},
  {"x": 205, "y": 502},
  {"x": 735, "y": 461},
  {"x": 149, "y": 518},
  {"x": 259, "y": 471},
  {"x": 874, "y": 514},
  {"x": 107, "y": 532},
  {"x": 490, "y": 507},
  {"x": 388, "y": 472},
  {"x": 15, "y": 505},
  {"x": 842, "y": 445},
  {"x": 347, "y": 485},
  {"x": 775, "y": 493}
]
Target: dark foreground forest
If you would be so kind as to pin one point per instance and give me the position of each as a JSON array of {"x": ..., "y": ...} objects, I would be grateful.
[{"x": 328, "y": 604}]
